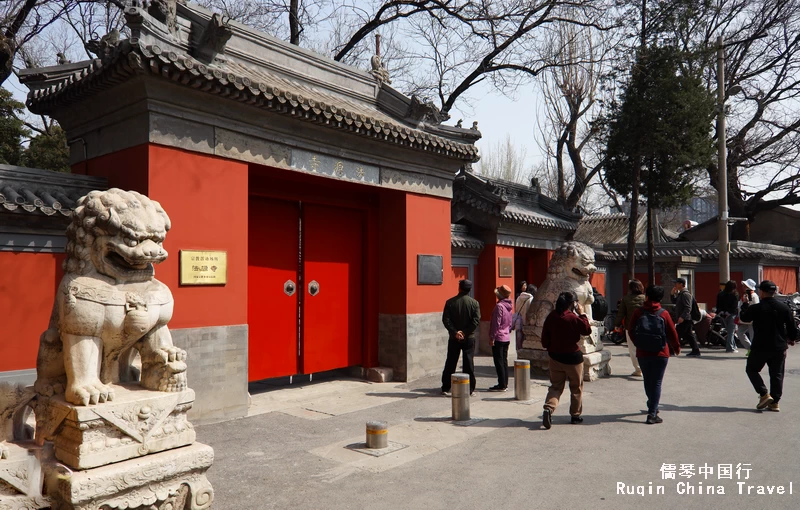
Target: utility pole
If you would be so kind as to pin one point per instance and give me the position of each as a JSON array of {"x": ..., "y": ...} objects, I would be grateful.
[{"x": 722, "y": 169}]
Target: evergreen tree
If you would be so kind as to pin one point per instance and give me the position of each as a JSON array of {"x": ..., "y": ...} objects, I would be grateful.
[
  {"x": 662, "y": 126},
  {"x": 48, "y": 150},
  {"x": 12, "y": 129}
]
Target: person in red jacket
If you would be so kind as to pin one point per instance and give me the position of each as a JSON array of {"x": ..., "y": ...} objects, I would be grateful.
[
  {"x": 561, "y": 336},
  {"x": 653, "y": 321}
]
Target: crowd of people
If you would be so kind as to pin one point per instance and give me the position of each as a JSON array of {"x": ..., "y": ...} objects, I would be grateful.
[{"x": 764, "y": 325}]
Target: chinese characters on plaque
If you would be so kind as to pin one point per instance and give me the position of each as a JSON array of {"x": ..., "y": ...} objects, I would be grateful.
[
  {"x": 335, "y": 167},
  {"x": 203, "y": 267}
]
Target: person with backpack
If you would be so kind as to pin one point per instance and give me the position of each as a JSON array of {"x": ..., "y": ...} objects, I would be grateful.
[
  {"x": 686, "y": 311},
  {"x": 561, "y": 336},
  {"x": 775, "y": 331},
  {"x": 630, "y": 303},
  {"x": 655, "y": 336}
]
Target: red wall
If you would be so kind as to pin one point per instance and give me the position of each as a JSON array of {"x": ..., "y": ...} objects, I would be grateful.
[
  {"x": 27, "y": 291},
  {"x": 642, "y": 277},
  {"x": 706, "y": 286},
  {"x": 784, "y": 277},
  {"x": 488, "y": 279},
  {"x": 427, "y": 233},
  {"x": 206, "y": 200},
  {"x": 598, "y": 281},
  {"x": 126, "y": 169}
]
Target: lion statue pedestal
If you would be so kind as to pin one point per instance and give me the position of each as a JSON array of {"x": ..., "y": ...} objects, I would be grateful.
[
  {"x": 114, "y": 435},
  {"x": 570, "y": 269}
]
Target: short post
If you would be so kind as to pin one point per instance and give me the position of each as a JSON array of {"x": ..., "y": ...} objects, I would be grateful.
[
  {"x": 459, "y": 384},
  {"x": 522, "y": 379},
  {"x": 377, "y": 434}
]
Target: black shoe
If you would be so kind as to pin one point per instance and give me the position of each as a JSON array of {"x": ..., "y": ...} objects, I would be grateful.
[
  {"x": 694, "y": 353},
  {"x": 576, "y": 419},
  {"x": 497, "y": 387},
  {"x": 653, "y": 418},
  {"x": 547, "y": 418}
]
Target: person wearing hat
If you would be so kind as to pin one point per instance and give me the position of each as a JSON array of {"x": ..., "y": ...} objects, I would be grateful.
[
  {"x": 744, "y": 331},
  {"x": 461, "y": 317},
  {"x": 774, "y": 331},
  {"x": 500, "y": 335}
]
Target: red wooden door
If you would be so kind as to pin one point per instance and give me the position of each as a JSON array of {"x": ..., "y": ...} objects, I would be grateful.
[
  {"x": 273, "y": 246},
  {"x": 332, "y": 312}
]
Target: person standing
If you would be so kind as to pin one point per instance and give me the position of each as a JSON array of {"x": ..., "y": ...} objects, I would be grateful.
[
  {"x": 632, "y": 301},
  {"x": 523, "y": 287},
  {"x": 744, "y": 330},
  {"x": 461, "y": 317},
  {"x": 655, "y": 336},
  {"x": 774, "y": 331},
  {"x": 561, "y": 336},
  {"x": 727, "y": 309},
  {"x": 521, "y": 306},
  {"x": 683, "y": 316},
  {"x": 500, "y": 335}
]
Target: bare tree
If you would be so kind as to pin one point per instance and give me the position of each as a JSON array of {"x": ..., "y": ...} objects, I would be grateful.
[{"x": 505, "y": 160}]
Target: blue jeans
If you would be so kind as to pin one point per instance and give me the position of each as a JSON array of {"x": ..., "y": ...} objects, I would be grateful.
[{"x": 653, "y": 368}]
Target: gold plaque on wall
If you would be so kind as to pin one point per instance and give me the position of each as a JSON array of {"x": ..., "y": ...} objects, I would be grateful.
[
  {"x": 505, "y": 267},
  {"x": 204, "y": 267}
]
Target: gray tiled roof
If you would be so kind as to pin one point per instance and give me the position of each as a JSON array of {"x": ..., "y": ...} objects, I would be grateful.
[
  {"x": 460, "y": 238},
  {"x": 35, "y": 191},
  {"x": 236, "y": 82},
  {"x": 739, "y": 250},
  {"x": 600, "y": 229},
  {"x": 519, "y": 213}
]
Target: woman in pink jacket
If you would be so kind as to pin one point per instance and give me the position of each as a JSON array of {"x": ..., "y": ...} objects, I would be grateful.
[{"x": 500, "y": 336}]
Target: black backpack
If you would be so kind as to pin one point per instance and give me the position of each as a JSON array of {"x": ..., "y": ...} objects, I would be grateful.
[
  {"x": 695, "y": 313},
  {"x": 650, "y": 331}
]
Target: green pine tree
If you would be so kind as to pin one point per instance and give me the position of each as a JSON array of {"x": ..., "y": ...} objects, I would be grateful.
[
  {"x": 12, "y": 130},
  {"x": 48, "y": 150}
]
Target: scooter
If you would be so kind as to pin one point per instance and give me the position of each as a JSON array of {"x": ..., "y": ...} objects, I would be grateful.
[{"x": 609, "y": 333}]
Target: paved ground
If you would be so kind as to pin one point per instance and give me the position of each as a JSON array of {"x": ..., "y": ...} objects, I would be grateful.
[{"x": 291, "y": 452}]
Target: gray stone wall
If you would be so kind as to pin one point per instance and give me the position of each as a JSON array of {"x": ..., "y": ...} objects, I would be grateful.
[
  {"x": 217, "y": 371},
  {"x": 413, "y": 345}
]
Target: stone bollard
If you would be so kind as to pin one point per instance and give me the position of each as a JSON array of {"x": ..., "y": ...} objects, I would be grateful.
[
  {"x": 377, "y": 434},
  {"x": 460, "y": 389},
  {"x": 522, "y": 379}
]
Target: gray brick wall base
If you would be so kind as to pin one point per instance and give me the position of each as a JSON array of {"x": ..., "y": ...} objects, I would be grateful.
[
  {"x": 217, "y": 371},
  {"x": 413, "y": 345}
]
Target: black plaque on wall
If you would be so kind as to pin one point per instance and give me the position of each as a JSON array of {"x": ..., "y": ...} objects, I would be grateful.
[{"x": 430, "y": 270}]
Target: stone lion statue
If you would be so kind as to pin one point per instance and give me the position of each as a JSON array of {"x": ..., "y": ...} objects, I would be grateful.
[
  {"x": 570, "y": 268},
  {"x": 109, "y": 305},
  {"x": 13, "y": 411}
]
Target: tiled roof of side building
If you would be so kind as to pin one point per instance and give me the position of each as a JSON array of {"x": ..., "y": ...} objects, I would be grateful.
[
  {"x": 739, "y": 250},
  {"x": 35, "y": 191},
  {"x": 460, "y": 238}
]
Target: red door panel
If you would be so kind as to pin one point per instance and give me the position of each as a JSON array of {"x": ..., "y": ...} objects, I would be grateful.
[
  {"x": 460, "y": 273},
  {"x": 333, "y": 257},
  {"x": 271, "y": 314}
]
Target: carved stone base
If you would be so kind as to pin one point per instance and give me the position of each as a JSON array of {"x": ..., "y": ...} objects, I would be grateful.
[
  {"x": 135, "y": 423},
  {"x": 174, "y": 480},
  {"x": 595, "y": 365},
  {"x": 20, "y": 480}
]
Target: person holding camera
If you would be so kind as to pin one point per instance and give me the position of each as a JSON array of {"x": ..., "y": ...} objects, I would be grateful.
[
  {"x": 561, "y": 336},
  {"x": 774, "y": 331}
]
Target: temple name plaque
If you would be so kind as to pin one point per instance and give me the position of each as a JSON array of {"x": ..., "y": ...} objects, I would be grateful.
[
  {"x": 203, "y": 267},
  {"x": 505, "y": 267}
]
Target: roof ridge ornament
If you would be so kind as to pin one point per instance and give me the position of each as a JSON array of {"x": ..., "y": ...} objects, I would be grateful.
[
  {"x": 379, "y": 72},
  {"x": 423, "y": 111},
  {"x": 213, "y": 39}
]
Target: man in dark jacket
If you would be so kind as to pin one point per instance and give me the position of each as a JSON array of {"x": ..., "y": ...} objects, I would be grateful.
[
  {"x": 461, "y": 317},
  {"x": 683, "y": 316},
  {"x": 774, "y": 330}
]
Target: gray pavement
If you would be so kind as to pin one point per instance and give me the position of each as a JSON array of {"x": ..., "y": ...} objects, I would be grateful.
[{"x": 291, "y": 452}]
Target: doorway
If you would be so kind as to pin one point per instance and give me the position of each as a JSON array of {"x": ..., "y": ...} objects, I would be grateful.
[{"x": 305, "y": 287}]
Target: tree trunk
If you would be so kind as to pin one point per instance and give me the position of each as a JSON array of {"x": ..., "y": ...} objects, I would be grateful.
[
  {"x": 294, "y": 22},
  {"x": 633, "y": 221},
  {"x": 651, "y": 248}
]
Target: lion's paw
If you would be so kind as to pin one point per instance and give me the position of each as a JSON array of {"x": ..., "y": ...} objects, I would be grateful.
[
  {"x": 3, "y": 451},
  {"x": 93, "y": 392},
  {"x": 171, "y": 354},
  {"x": 175, "y": 382}
]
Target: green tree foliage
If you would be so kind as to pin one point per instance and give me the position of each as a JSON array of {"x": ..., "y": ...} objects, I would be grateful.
[
  {"x": 12, "y": 129},
  {"x": 48, "y": 150},
  {"x": 662, "y": 127}
]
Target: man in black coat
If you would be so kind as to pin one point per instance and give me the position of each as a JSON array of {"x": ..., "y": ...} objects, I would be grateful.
[
  {"x": 461, "y": 317},
  {"x": 683, "y": 316},
  {"x": 774, "y": 330}
]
